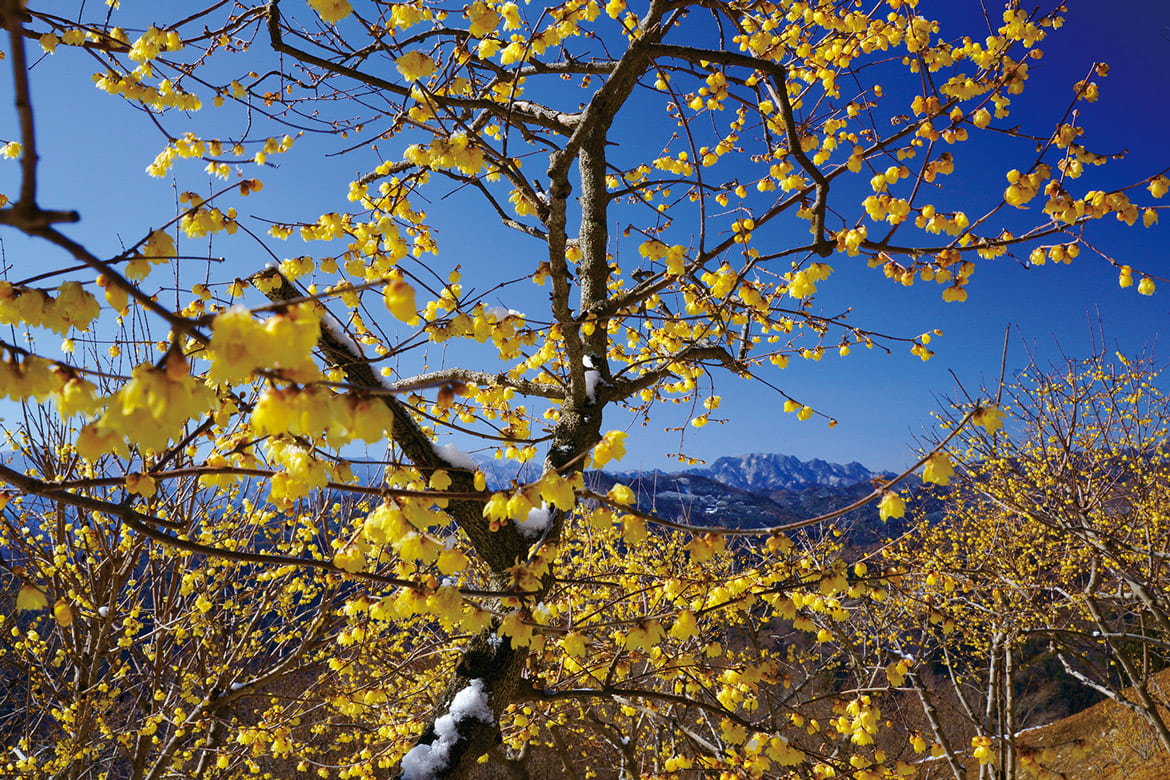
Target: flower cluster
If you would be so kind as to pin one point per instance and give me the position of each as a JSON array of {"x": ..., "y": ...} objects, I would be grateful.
[
  {"x": 241, "y": 345},
  {"x": 148, "y": 410},
  {"x": 316, "y": 411},
  {"x": 74, "y": 307}
]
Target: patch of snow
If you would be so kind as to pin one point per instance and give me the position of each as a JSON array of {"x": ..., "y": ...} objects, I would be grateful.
[
  {"x": 472, "y": 702},
  {"x": 455, "y": 457},
  {"x": 236, "y": 686},
  {"x": 334, "y": 328},
  {"x": 424, "y": 762},
  {"x": 536, "y": 523},
  {"x": 500, "y": 313},
  {"x": 592, "y": 379},
  {"x": 103, "y": 611}
]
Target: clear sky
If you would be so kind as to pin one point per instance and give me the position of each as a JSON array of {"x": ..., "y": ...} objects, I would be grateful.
[{"x": 94, "y": 151}]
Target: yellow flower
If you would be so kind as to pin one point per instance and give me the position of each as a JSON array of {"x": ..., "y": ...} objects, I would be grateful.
[
  {"x": 891, "y": 505},
  {"x": 30, "y": 597},
  {"x": 384, "y": 524},
  {"x": 611, "y": 447},
  {"x": 74, "y": 307},
  {"x": 451, "y": 561},
  {"x": 76, "y": 396},
  {"x": 496, "y": 507},
  {"x": 159, "y": 246},
  {"x": 989, "y": 417},
  {"x": 63, "y": 613},
  {"x": 633, "y": 529},
  {"x": 141, "y": 484},
  {"x": 414, "y": 65},
  {"x": 621, "y": 494},
  {"x": 558, "y": 491},
  {"x": 653, "y": 249},
  {"x": 331, "y": 10},
  {"x": 684, "y": 625},
  {"x": 574, "y": 644},
  {"x": 235, "y": 337},
  {"x": 801, "y": 285},
  {"x": 350, "y": 558},
  {"x": 1146, "y": 286},
  {"x": 482, "y": 18},
  {"x": 514, "y": 627},
  {"x": 954, "y": 294},
  {"x": 399, "y": 298},
  {"x": 938, "y": 469},
  {"x": 982, "y": 749},
  {"x": 511, "y": 13},
  {"x": 370, "y": 419}
]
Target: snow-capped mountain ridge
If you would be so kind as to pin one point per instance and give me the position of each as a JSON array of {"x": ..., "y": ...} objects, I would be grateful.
[{"x": 773, "y": 471}]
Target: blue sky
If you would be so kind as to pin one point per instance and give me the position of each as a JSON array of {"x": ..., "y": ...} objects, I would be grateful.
[{"x": 94, "y": 150}]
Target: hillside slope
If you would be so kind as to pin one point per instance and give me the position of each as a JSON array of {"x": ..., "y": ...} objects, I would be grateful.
[{"x": 1115, "y": 743}]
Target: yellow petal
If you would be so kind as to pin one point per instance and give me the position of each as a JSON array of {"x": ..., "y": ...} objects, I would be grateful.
[{"x": 31, "y": 597}]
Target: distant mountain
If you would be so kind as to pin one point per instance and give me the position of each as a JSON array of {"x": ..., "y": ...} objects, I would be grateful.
[
  {"x": 748, "y": 491},
  {"x": 760, "y": 472},
  {"x": 758, "y": 490},
  {"x": 697, "y": 500}
]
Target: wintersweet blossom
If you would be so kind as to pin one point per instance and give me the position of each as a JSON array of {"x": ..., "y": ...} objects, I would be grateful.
[
  {"x": 30, "y": 598},
  {"x": 399, "y": 298},
  {"x": 63, "y": 613},
  {"x": 989, "y": 418},
  {"x": 611, "y": 447},
  {"x": 938, "y": 469},
  {"x": 891, "y": 505},
  {"x": 415, "y": 66},
  {"x": 482, "y": 19},
  {"x": 331, "y": 10},
  {"x": 621, "y": 494}
]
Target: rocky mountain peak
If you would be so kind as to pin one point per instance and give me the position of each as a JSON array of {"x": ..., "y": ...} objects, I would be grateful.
[{"x": 772, "y": 471}]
